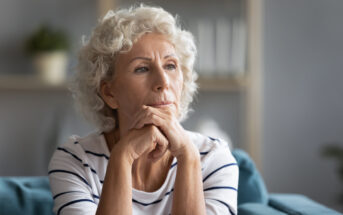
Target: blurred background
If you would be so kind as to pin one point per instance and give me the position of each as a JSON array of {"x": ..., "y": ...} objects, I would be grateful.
[{"x": 270, "y": 76}]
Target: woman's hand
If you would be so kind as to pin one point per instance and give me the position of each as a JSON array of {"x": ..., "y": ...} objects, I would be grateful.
[
  {"x": 164, "y": 118},
  {"x": 144, "y": 140}
]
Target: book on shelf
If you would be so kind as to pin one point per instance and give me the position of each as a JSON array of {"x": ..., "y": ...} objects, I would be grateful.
[
  {"x": 206, "y": 46},
  {"x": 222, "y": 44},
  {"x": 239, "y": 42}
]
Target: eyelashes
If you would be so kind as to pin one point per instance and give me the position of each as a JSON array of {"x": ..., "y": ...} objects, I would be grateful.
[
  {"x": 143, "y": 69},
  {"x": 171, "y": 66}
]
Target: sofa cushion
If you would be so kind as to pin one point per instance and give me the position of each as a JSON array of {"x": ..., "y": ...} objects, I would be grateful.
[
  {"x": 296, "y": 204},
  {"x": 251, "y": 187},
  {"x": 257, "y": 209},
  {"x": 25, "y": 195}
]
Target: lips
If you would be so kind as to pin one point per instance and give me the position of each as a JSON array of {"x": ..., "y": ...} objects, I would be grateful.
[{"x": 160, "y": 104}]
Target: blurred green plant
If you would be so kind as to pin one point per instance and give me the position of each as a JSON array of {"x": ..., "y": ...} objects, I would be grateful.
[
  {"x": 46, "y": 39},
  {"x": 335, "y": 151}
]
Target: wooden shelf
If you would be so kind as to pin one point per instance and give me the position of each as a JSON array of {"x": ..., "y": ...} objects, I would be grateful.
[
  {"x": 225, "y": 84},
  {"x": 29, "y": 82},
  {"x": 26, "y": 82}
]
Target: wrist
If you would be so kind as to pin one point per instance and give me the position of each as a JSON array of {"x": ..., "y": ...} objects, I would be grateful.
[
  {"x": 122, "y": 152},
  {"x": 188, "y": 153}
]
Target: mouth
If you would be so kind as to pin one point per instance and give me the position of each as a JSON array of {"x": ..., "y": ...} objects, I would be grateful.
[{"x": 161, "y": 104}]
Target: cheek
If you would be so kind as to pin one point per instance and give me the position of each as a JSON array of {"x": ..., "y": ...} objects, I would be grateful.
[
  {"x": 130, "y": 101},
  {"x": 129, "y": 98},
  {"x": 179, "y": 84},
  {"x": 177, "y": 90}
]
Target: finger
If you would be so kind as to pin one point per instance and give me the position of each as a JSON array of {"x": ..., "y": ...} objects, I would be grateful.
[
  {"x": 157, "y": 153},
  {"x": 151, "y": 119},
  {"x": 137, "y": 116},
  {"x": 161, "y": 145},
  {"x": 150, "y": 116}
]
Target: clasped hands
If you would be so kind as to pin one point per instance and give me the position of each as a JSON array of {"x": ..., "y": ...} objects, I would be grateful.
[{"x": 154, "y": 131}]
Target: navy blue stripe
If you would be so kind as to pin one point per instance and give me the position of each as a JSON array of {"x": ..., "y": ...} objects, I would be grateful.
[
  {"x": 204, "y": 153},
  {"x": 97, "y": 154},
  {"x": 57, "y": 195},
  {"x": 174, "y": 164},
  {"x": 213, "y": 139},
  {"x": 79, "y": 159},
  {"x": 201, "y": 153},
  {"x": 76, "y": 157},
  {"x": 146, "y": 204},
  {"x": 73, "y": 173},
  {"x": 167, "y": 193},
  {"x": 220, "y": 187},
  {"x": 228, "y": 207},
  {"x": 87, "y": 165},
  {"x": 216, "y": 170},
  {"x": 73, "y": 202}
]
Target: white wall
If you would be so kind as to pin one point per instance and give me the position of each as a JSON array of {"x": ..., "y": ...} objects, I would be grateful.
[
  {"x": 303, "y": 94},
  {"x": 33, "y": 123},
  {"x": 18, "y": 19},
  {"x": 302, "y": 91}
]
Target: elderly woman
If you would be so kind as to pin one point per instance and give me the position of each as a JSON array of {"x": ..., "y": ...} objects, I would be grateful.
[{"x": 135, "y": 82}]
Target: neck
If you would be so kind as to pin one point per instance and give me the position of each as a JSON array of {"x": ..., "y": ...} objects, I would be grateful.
[
  {"x": 146, "y": 175},
  {"x": 149, "y": 176},
  {"x": 111, "y": 138}
]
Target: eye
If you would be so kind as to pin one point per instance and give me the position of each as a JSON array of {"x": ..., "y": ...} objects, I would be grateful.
[
  {"x": 170, "y": 66},
  {"x": 141, "y": 69}
]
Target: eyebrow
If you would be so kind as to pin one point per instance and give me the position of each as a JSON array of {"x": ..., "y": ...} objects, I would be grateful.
[{"x": 149, "y": 59}]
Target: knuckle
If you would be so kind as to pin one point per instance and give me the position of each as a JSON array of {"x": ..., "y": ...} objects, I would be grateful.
[
  {"x": 153, "y": 117},
  {"x": 154, "y": 128},
  {"x": 150, "y": 128}
]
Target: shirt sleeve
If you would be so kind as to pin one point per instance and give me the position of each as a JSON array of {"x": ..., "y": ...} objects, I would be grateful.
[
  {"x": 220, "y": 180},
  {"x": 70, "y": 187}
]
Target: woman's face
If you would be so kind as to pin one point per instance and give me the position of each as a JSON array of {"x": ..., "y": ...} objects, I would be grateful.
[{"x": 149, "y": 74}]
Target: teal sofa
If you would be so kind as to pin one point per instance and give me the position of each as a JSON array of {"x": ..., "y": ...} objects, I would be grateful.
[{"x": 31, "y": 195}]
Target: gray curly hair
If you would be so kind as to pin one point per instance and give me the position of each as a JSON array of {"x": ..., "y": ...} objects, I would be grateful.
[{"x": 116, "y": 33}]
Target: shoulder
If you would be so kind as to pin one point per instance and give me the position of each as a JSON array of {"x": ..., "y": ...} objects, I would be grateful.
[
  {"x": 220, "y": 173},
  {"x": 73, "y": 177},
  {"x": 76, "y": 148},
  {"x": 215, "y": 154},
  {"x": 209, "y": 145}
]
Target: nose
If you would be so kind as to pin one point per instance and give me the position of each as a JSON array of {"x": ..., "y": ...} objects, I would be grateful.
[{"x": 161, "y": 79}]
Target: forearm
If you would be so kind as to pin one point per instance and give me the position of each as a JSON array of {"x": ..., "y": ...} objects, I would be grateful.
[
  {"x": 188, "y": 190},
  {"x": 116, "y": 197}
]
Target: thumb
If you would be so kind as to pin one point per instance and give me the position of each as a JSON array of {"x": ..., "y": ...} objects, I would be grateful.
[{"x": 161, "y": 146}]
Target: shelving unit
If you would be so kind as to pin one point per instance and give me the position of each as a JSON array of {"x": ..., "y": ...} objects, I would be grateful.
[
  {"x": 247, "y": 83},
  {"x": 254, "y": 98},
  {"x": 223, "y": 84},
  {"x": 29, "y": 82}
]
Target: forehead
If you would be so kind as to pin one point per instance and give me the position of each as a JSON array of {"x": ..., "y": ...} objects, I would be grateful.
[{"x": 148, "y": 45}]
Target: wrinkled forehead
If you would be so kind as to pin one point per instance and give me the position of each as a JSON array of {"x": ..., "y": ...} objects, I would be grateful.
[{"x": 149, "y": 45}]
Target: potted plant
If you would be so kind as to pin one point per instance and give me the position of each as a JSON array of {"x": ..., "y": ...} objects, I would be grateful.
[
  {"x": 48, "y": 49},
  {"x": 335, "y": 151}
]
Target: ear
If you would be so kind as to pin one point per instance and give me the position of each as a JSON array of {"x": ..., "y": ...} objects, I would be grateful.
[{"x": 108, "y": 95}]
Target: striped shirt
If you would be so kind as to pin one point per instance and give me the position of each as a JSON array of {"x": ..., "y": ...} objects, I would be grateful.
[{"x": 77, "y": 171}]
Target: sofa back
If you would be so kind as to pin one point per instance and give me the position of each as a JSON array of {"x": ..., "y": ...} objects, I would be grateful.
[
  {"x": 251, "y": 187},
  {"x": 25, "y": 195},
  {"x": 32, "y": 196}
]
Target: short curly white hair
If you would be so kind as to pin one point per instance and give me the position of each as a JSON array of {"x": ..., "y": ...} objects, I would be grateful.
[{"x": 116, "y": 33}]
